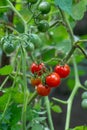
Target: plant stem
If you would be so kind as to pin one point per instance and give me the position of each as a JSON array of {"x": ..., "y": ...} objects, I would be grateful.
[
  {"x": 77, "y": 81},
  {"x": 70, "y": 100},
  {"x": 2, "y": 7},
  {"x": 34, "y": 95},
  {"x": 67, "y": 57},
  {"x": 26, "y": 92},
  {"x": 6, "y": 79},
  {"x": 18, "y": 14},
  {"x": 82, "y": 50},
  {"x": 68, "y": 27},
  {"x": 49, "y": 113}
]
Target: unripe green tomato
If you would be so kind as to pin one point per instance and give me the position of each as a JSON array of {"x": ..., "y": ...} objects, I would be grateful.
[
  {"x": 32, "y": 1},
  {"x": 42, "y": 17},
  {"x": 84, "y": 103},
  {"x": 43, "y": 26},
  {"x": 84, "y": 95},
  {"x": 29, "y": 46},
  {"x": 85, "y": 83},
  {"x": 35, "y": 39},
  {"x": 8, "y": 47},
  {"x": 44, "y": 7}
]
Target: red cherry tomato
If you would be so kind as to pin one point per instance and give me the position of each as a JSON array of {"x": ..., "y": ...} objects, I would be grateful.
[
  {"x": 41, "y": 68},
  {"x": 34, "y": 68},
  {"x": 63, "y": 71},
  {"x": 43, "y": 90},
  {"x": 53, "y": 80},
  {"x": 35, "y": 81},
  {"x": 38, "y": 68}
]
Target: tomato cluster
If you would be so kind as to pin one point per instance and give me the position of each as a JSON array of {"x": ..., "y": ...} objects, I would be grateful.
[{"x": 51, "y": 79}]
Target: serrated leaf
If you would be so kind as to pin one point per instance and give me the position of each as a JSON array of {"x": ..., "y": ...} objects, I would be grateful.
[
  {"x": 37, "y": 127},
  {"x": 65, "y": 5},
  {"x": 6, "y": 70},
  {"x": 79, "y": 9},
  {"x": 57, "y": 108}
]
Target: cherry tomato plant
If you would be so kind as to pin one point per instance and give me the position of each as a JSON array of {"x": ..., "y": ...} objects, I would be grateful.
[{"x": 38, "y": 53}]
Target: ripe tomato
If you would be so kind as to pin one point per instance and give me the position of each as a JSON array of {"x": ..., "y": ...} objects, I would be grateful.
[
  {"x": 43, "y": 26},
  {"x": 35, "y": 81},
  {"x": 34, "y": 68},
  {"x": 41, "y": 68},
  {"x": 43, "y": 90},
  {"x": 63, "y": 71},
  {"x": 44, "y": 7},
  {"x": 38, "y": 68},
  {"x": 53, "y": 80}
]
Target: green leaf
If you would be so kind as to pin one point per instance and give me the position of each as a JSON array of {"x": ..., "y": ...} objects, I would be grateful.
[
  {"x": 48, "y": 52},
  {"x": 37, "y": 127},
  {"x": 6, "y": 70},
  {"x": 3, "y": 100},
  {"x": 79, "y": 9},
  {"x": 79, "y": 128},
  {"x": 57, "y": 108},
  {"x": 16, "y": 127},
  {"x": 15, "y": 118},
  {"x": 65, "y": 5}
]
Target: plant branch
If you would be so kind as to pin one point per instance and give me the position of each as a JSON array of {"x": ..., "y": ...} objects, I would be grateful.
[
  {"x": 6, "y": 79},
  {"x": 74, "y": 46},
  {"x": 33, "y": 96},
  {"x": 71, "y": 97},
  {"x": 26, "y": 92},
  {"x": 49, "y": 113},
  {"x": 68, "y": 26},
  {"x": 82, "y": 50},
  {"x": 59, "y": 100}
]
